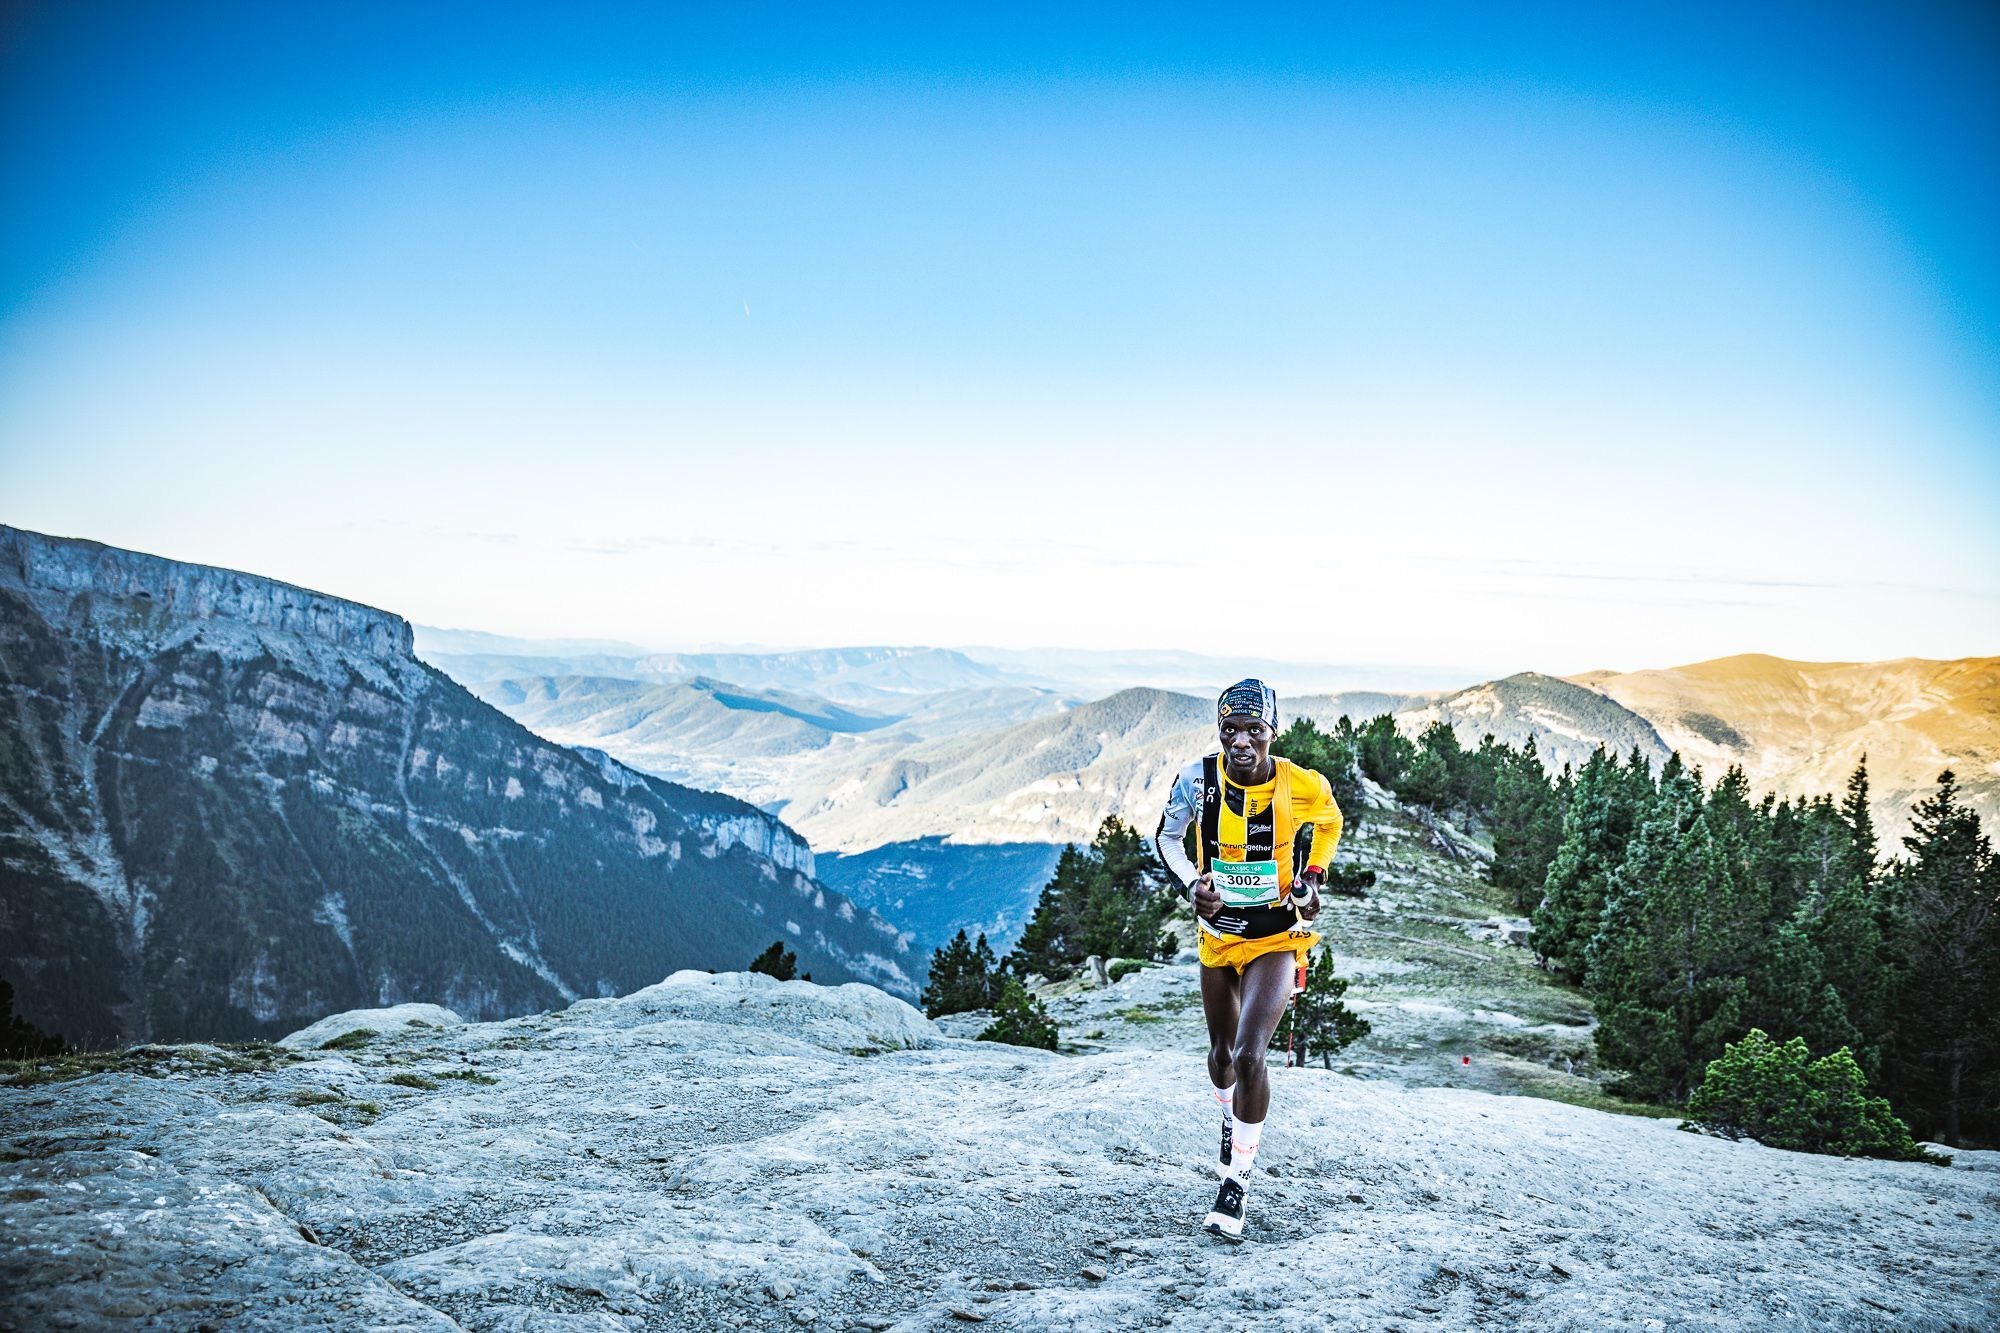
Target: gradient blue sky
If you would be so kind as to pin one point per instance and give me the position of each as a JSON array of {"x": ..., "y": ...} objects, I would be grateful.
[{"x": 1505, "y": 338}]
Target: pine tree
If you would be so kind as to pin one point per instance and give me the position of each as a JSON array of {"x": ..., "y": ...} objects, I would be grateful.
[
  {"x": 1681, "y": 926},
  {"x": 1320, "y": 1023},
  {"x": 1132, "y": 896},
  {"x": 1945, "y": 949},
  {"x": 1834, "y": 907},
  {"x": 1788, "y": 990},
  {"x": 1441, "y": 774},
  {"x": 1303, "y": 743},
  {"x": 1044, "y": 946},
  {"x": 1383, "y": 751},
  {"x": 963, "y": 976},
  {"x": 1426, "y": 781},
  {"x": 1603, "y": 809},
  {"x": 1332, "y": 756},
  {"x": 777, "y": 961},
  {"x": 1527, "y": 826},
  {"x": 1110, "y": 899},
  {"x": 1477, "y": 784},
  {"x": 1861, "y": 821}
]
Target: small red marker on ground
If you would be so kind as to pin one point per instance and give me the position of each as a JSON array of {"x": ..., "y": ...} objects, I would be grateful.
[{"x": 1465, "y": 1059}]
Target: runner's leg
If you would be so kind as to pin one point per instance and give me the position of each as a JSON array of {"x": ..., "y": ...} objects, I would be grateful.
[
  {"x": 1265, "y": 990},
  {"x": 1219, "y": 987}
]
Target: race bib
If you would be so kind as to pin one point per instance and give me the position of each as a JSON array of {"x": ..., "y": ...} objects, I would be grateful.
[{"x": 1246, "y": 883}]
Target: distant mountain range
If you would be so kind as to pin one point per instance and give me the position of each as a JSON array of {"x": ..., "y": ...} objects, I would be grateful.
[
  {"x": 1096, "y": 673},
  {"x": 229, "y": 805},
  {"x": 1567, "y": 721},
  {"x": 847, "y": 675},
  {"x": 861, "y": 674},
  {"x": 1057, "y": 777},
  {"x": 754, "y": 743},
  {"x": 1801, "y": 727},
  {"x": 909, "y": 804}
]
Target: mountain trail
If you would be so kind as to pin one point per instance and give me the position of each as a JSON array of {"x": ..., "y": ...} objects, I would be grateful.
[{"x": 729, "y": 1150}]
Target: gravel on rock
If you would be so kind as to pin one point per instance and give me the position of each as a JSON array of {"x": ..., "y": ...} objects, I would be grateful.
[{"x": 864, "y": 1171}]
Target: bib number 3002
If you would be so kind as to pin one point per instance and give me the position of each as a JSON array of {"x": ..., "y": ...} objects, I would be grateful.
[{"x": 1246, "y": 883}]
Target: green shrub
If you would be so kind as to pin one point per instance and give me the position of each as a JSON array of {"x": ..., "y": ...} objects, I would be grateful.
[
  {"x": 1124, "y": 967},
  {"x": 1350, "y": 880},
  {"x": 350, "y": 1040},
  {"x": 1783, "y": 1098},
  {"x": 1020, "y": 1019}
]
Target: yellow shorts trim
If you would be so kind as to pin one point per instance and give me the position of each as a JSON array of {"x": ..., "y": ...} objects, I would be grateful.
[{"x": 1238, "y": 952}]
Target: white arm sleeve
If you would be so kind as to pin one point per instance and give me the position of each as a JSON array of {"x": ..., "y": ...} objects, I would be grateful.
[{"x": 1183, "y": 804}]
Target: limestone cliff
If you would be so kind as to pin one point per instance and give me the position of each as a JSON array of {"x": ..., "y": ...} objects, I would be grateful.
[
  {"x": 169, "y": 596},
  {"x": 228, "y": 803}
]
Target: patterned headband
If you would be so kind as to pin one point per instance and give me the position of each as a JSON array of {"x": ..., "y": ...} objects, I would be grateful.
[{"x": 1249, "y": 698}]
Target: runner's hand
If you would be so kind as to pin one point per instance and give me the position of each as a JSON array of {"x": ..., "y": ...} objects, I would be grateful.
[
  {"x": 1308, "y": 908},
  {"x": 1207, "y": 902}
]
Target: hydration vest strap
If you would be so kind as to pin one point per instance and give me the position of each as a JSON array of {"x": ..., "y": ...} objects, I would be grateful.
[
  {"x": 1211, "y": 811},
  {"x": 1283, "y": 826}
]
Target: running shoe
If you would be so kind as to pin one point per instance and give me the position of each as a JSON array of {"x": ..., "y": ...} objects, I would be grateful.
[{"x": 1226, "y": 1218}]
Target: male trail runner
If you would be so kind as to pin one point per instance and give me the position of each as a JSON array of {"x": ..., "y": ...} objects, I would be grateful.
[{"x": 1268, "y": 829}]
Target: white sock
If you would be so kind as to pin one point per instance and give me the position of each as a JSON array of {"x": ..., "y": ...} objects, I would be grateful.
[
  {"x": 1227, "y": 1096},
  {"x": 1243, "y": 1150}
]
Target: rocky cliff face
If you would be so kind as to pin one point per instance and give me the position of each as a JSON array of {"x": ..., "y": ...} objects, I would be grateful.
[
  {"x": 730, "y": 822},
  {"x": 165, "y": 596},
  {"x": 227, "y": 803}
]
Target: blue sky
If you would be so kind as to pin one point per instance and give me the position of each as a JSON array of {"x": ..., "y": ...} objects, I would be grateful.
[{"x": 1458, "y": 334}]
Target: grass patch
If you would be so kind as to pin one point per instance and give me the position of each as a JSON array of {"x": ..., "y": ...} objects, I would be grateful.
[
  {"x": 334, "y": 1107},
  {"x": 411, "y": 1081},
  {"x": 348, "y": 1041},
  {"x": 1139, "y": 1013},
  {"x": 1596, "y": 1099},
  {"x": 148, "y": 1061},
  {"x": 470, "y": 1076}
]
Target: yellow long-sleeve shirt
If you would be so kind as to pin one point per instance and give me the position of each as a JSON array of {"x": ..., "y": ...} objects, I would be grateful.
[{"x": 1239, "y": 823}]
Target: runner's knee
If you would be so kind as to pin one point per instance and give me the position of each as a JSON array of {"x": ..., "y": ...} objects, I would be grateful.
[{"x": 1249, "y": 1061}]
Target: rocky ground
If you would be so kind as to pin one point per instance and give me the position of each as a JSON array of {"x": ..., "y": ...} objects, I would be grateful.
[{"x": 735, "y": 1151}]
